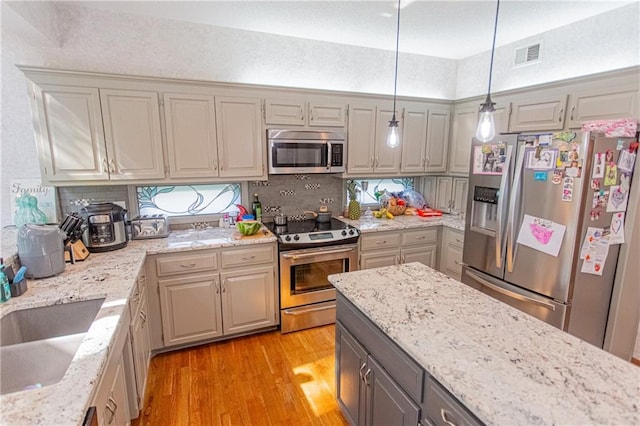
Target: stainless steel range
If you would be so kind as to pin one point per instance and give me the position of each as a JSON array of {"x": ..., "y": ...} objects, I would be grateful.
[{"x": 310, "y": 251}]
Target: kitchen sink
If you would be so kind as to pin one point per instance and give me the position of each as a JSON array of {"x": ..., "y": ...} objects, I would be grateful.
[{"x": 37, "y": 345}]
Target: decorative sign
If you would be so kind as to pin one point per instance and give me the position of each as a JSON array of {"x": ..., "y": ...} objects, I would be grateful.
[{"x": 45, "y": 196}]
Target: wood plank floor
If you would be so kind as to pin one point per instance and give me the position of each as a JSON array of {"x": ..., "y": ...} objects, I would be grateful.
[{"x": 265, "y": 379}]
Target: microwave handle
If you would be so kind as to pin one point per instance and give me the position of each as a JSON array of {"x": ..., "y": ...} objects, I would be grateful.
[{"x": 329, "y": 157}]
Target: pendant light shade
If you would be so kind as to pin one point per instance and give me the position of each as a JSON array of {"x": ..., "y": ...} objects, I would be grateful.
[
  {"x": 486, "y": 129},
  {"x": 393, "y": 139}
]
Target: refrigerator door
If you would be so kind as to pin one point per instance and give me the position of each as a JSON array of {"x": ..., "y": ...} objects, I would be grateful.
[
  {"x": 490, "y": 178},
  {"x": 543, "y": 308},
  {"x": 536, "y": 195}
]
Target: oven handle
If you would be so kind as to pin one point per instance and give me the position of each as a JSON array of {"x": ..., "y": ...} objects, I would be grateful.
[
  {"x": 315, "y": 253},
  {"x": 299, "y": 311}
]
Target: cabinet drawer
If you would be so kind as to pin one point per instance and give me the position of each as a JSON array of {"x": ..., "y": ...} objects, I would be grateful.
[
  {"x": 247, "y": 256},
  {"x": 453, "y": 263},
  {"x": 404, "y": 370},
  {"x": 420, "y": 236},
  {"x": 442, "y": 409},
  {"x": 454, "y": 238},
  {"x": 380, "y": 241},
  {"x": 177, "y": 264}
]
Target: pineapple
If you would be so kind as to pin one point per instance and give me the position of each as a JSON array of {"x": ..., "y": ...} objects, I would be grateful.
[{"x": 354, "y": 205}]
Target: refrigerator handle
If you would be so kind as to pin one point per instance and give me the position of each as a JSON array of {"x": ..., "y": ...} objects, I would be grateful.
[
  {"x": 503, "y": 186},
  {"x": 508, "y": 293},
  {"x": 513, "y": 199}
]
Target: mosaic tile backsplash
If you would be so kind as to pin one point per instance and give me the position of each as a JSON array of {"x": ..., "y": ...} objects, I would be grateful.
[
  {"x": 293, "y": 194},
  {"x": 69, "y": 195}
]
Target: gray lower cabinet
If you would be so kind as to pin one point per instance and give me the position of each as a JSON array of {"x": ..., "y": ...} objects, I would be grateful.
[{"x": 377, "y": 383}]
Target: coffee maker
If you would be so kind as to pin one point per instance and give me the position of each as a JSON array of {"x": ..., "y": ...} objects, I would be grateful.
[{"x": 105, "y": 227}]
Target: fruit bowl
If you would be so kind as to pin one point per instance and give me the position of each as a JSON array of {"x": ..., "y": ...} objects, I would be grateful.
[{"x": 248, "y": 227}]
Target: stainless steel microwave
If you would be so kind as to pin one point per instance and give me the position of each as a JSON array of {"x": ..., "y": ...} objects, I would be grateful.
[{"x": 306, "y": 151}]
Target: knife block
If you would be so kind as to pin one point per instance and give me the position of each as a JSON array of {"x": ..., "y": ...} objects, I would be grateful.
[{"x": 75, "y": 251}]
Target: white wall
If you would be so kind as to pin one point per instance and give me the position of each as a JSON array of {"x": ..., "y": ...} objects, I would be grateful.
[{"x": 602, "y": 43}]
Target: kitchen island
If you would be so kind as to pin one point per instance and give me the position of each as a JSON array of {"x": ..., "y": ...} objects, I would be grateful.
[
  {"x": 110, "y": 275},
  {"x": 404, "y": 222},
  {"x": 503, "y": 366}
]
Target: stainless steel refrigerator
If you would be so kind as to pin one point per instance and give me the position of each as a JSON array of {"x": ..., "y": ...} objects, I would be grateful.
[{"x": 544, "y": 223}]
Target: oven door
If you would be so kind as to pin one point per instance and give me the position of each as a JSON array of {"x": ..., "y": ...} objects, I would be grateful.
[
  {"x": 303, "y": 273},
  {"x": 291, "y": 156}
]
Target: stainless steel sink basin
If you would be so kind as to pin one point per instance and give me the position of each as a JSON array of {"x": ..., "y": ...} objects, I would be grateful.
[
  {"x": 27, "y": 325},
  {"x": 38, "y": 344}
]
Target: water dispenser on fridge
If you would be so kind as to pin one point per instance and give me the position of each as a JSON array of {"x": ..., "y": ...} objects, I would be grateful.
[{"x": 484, "y": 210}]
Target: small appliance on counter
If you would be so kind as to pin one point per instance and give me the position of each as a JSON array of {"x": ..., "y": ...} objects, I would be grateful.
[
  {"x": 41, "y": 249},
  {"x": 106, "y": 227},
  {"x": 149, "y": 226}
]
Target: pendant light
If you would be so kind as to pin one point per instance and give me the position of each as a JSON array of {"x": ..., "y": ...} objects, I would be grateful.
[
  {"x": 486, "y": 129},
  {"x": 393, "y": 139}
]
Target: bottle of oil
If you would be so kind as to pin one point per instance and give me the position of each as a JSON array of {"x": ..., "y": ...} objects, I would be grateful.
[{"x": 256, "y": 208}]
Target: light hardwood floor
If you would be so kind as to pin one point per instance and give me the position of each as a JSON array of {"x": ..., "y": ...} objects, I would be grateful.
[{"x": 265, "y": 379}]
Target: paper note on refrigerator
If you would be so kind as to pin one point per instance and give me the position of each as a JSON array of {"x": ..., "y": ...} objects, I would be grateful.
[
  {"x": 541, "y": 234},
  {"x": 595, "y": 249},
  {"x": 616, "y": 230}
]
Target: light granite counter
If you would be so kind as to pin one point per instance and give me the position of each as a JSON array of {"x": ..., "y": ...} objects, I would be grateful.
[
  {"x": 505, "y": 366},
  {"x": 405, "y": 222},
  {"x": 109, "y": 275}
]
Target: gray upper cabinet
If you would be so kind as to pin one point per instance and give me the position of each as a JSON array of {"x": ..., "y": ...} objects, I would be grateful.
[
  {"x": 298, "y": 112},
  {"x": 437, "y": 145},
  {"x": 603, "y": 103},
  {"x": 465, "y": 120},
  {"x": 361, "y": 139},
  {"x": 414, "y": 139},
  {"x": 69, "y": 133},
  {"x": 132, "y": 133},
  {"x": 544, "y": 110},
  {"x": 387, "y": 160},
  {"x": 192, "y": 146}
]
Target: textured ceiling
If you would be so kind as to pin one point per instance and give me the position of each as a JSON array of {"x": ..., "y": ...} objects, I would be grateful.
[{"x": 448, "y": 29}]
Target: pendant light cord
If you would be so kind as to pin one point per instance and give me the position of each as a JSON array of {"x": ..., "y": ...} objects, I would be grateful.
[
  {"x": 493, "y": 48},
  {"x": 395, "y": 80}
]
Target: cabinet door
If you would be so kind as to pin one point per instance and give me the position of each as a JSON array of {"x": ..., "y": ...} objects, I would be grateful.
[
  {"x": 132, "y": 132},
  {"x": 429, "y": 190},
  {"x": 141, "y": 350},
  {"x": 459, "y": 197},
  {"x": 116, "y": 409},
  {"x": 351, "y": 362},
  {"x": 248, "y": 299},
  {"x": 291, "y": 112},
  {"x": 437, "y": 141},
  {"x": 190, "y": 308},
  {"x": 463, "y": 129},
  {"x": 68, "y": 124},
  {"x": 378, "y": 259},
  {"x": 602, "y": 104},
  {"x": 427, "y": 255},
  {"x": 444, "y": 192},
  {"x": 501, "y": 117},
  {"x": 191, "y": 135},
  {"x": 387, "y": 403},
  {"x": 387, "y": 160},
  {"x": 414, "y": 142},
  {"x": 538, "y": 112},
  {"x": 240, "y": 139},
  {"x": 451, "y": 253},
  {"x": 327, "y": 115},
  {"x": 361, "y": 139}
]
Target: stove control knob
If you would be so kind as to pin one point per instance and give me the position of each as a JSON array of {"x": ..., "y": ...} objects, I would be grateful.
[
  {"x": 296, "y": 237},
  {"x": 344, "y": 233},
  {"x": 351, "y": 232},
  {"x": 287, "y": 238}
]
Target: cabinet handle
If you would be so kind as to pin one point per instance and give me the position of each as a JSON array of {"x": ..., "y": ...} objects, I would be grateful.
[
  {"x": 224, "y": 288},
  {"x": 381, "y": 242},
  {"x": 222, "y": 167},
  {"x": 572, "y": 111},
  {"x": 217, "y": 288},
  {"x": 215, "y": 166},
  {"x": 459, "y": 241},
  {"x": 403, "y": 258},
  {"x": 249, "y": 257},
  {"x": 560, "y": 115},
  {"x": 428, "y": 160},
  {"x": 422, "y": 237},
  {"x": 373, "y": 162},
  {"x": 364, "y": 365},
  {"x": 366, "y": 377},
  {"x": 112, "y": 410},
  {"x": 377, "y": 162},
  {"x": 397, "y": 259},
  {"x": 424, "y": 162},
  {"x": 458, "y": 263},
  {"x": 105, "y": 166},
  {"x": 301, "y": 114},
  {"x": 443, "y": 415},
  {"x": 188, "y": 266},
  {"x": 143, "y": 315}
]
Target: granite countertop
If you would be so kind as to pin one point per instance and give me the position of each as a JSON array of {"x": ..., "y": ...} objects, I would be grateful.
[
  {"x": 109, "y": 275},
  {"x": 505, "y": 366},
  {"x": 405, "y": 222}
]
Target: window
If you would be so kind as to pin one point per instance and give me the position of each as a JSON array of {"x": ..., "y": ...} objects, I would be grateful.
[
  {"x": 367, "y": 196},
  {"x": 188, "y": 200}
]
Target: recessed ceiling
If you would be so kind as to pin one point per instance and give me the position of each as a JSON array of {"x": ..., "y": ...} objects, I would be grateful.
[{"x": 447, "y": 29}]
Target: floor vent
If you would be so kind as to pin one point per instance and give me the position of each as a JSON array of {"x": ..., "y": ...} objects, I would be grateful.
[{"x": 528, "y": 55}]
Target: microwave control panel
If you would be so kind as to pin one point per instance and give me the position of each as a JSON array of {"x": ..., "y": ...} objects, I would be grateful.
[{"x": 337, "y": 154}]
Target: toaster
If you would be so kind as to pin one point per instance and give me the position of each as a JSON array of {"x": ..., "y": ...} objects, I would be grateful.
[{"x": 149, "y": 226}]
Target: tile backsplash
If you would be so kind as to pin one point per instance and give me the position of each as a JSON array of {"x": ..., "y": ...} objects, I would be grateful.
[
  {"x": 293, "y": 194},
  {"x": 68, "y": 195}
]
